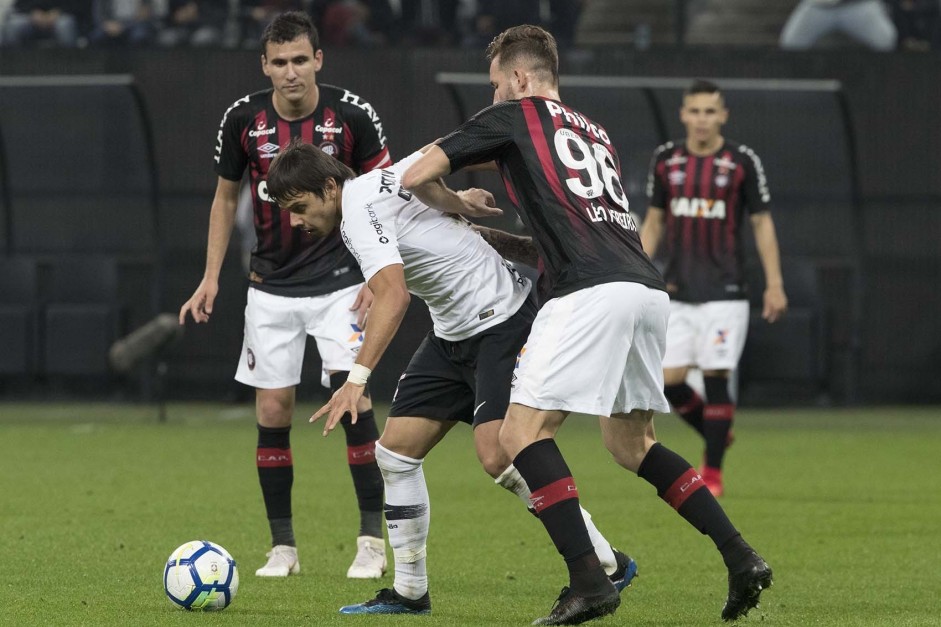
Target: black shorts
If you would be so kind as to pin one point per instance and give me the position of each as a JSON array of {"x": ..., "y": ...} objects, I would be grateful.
[{"x": 467, "y": 380}]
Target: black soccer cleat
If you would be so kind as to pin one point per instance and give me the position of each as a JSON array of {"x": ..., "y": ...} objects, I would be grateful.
[
  {"x": 626, "y": 570},
  {"x": 745, "y": 586},
  {"x": 572, "y": 609},
  {"x": 388, "y": 601}
]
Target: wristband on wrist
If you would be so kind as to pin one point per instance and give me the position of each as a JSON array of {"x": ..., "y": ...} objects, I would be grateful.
[{"x": 359, "y": 374}]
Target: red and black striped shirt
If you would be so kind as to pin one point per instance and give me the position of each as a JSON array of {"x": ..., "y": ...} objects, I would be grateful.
[
  {"x": 287, "y": 261},
  {"x": 704, "y": 200},
  {"x": 563, "y": 174}
]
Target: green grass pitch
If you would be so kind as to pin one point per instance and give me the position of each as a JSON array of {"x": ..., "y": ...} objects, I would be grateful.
[{"x": 844, "y": 504}]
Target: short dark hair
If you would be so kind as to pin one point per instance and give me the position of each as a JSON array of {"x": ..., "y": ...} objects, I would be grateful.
[
  {"x": 288, "y": 27},
  {"x": 700, "y": 86},
  {"x": 304, "y": 168},
  {"x": 528, "y": 41}
]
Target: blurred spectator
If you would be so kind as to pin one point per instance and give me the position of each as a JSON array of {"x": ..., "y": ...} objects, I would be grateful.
[
  {"x": 495, "y": 16},
  {"x": 346, "y": 23},
  {"x": 866, "y": 21},
  {"x": 563, "y": 18},
  {"x": 256, "y": 14},
  {"x": 429, "y": 22},
  {"x": 123, "y": 22},
  {"x": 53, "y": 21},
  {"x": 194, "y": 22},
  {"x": 918, "y": 23}
]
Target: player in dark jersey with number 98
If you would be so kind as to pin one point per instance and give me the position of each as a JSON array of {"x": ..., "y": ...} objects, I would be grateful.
[
  {"x": 699, "y": 193},
  {"x": 300, "y": 285},
  {"x": 597, "y": 343}
]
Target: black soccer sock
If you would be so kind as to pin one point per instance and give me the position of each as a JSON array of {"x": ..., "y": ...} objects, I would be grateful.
[
  {"x": 361, "y": 456},
  {"x": 683, "y": 489},
  {"x": 555, "y": 499},
  {"x": 687, "y": 404},
  {"x": 276, "y": 476},
  {"x": 717, "y": 419}
]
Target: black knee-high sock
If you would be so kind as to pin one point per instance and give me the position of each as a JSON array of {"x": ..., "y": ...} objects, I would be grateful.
[
  {"x": 276, "y": 476},
  {"x": 361, "y": 457},
  {"x": 555, "y": 499},
  {"x": 683, "y": 489},
  {"x": 687, "y": 404},
  {"x": 717, "y": 419}
]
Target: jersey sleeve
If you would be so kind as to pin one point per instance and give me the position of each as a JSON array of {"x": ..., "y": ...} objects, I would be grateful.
[
  {"x": 369, "y": 150},
  {"x": 656, "y": 190},
  {"x": 483, "y": 137},
  {"x": 368, "y": 228},
  {"x": 230, "y": 156},
  {"x": 755, "y": 191}
]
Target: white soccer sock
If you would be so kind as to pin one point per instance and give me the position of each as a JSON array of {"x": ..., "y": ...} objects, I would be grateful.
[
  {"x": 408, "y": 513},
  {"x": 514, "y": 482}
]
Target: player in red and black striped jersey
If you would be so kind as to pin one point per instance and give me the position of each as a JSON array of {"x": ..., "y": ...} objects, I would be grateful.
[
  {"x": 597, "y": 344},
  {"x": 701, "y": 190},
  {"x": 300, "y": 285}
]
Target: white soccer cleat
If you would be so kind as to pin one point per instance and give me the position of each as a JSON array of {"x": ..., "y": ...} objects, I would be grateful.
[
  {"x": 370, "y": 562},
  {"x": 282, "y": 561}
]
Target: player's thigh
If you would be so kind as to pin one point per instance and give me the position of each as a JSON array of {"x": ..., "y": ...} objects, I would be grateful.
[
  {"x": 578, "y": 351},
  {"x": 725, "y": 325},
  {"x": 498, "y": 353},
  {"x": 641, "y": 384},
  {"x": 273, "y": 345},
  {"x": 432, "y": 386},
  {"x": 333, "y": 326},
  {"x": 681, "y": 335},
  {"x": 413, "y": 436}
]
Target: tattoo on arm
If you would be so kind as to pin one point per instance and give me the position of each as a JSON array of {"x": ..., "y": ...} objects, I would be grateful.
[{"x": 513, "y": 247}]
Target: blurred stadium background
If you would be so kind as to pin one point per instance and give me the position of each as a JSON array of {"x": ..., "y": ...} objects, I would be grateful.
[{"x": 106, "y": 181}]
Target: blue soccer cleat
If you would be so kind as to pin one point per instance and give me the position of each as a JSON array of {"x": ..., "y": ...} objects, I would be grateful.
[
  {"x": 626, "y": 570},
  {"x": 388, "y": 601}
]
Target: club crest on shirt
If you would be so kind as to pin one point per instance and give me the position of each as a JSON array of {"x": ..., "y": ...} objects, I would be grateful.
[
  {"x": 330, "y": 148},
  {"x": 677, "y": 177}
]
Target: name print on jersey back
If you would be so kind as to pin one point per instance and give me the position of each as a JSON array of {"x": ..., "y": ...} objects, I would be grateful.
[{"x": 595, "y": 161}]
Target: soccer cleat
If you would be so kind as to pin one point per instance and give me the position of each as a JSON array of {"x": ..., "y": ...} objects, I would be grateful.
[
  {"x": 625, "y": 572},
  {"x": 745, "y": 586},
  {"x": 572, "y": 609},
  {"x": 282, "y": 561},
  {"x": 388, "y": 601},
  {"x": 370, "y": 562},
  {"x": 712, "y": 477}
]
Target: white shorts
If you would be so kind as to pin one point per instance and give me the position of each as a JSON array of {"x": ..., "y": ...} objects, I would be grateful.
[
  {"x": 710, "y": 335},
  {"x": 596, "y": 351},
  {"x": 276, "y": 330}
]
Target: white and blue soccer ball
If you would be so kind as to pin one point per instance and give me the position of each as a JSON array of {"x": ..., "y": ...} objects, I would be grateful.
[{"x": 200, "y": 575}]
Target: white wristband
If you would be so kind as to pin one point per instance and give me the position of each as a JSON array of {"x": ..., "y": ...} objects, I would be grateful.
[{"x": 359, "y": 374}]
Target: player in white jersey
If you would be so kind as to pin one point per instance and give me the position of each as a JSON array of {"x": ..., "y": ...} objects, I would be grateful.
[{"x": 482, "y": 311}]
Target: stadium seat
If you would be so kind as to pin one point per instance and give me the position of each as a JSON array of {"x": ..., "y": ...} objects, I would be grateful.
[
  {"x": 82, "y": 315},
  {"x": 19, "y": 315},
  {"x": 792, "y": 352}
]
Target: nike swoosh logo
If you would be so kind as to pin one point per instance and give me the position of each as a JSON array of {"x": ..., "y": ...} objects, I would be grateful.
[{"x": 477, "y": 409}]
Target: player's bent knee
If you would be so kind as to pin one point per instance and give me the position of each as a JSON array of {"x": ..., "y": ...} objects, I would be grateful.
[
  {"x": 390, "y": 462},
  {"x": 274, "y": 410}
]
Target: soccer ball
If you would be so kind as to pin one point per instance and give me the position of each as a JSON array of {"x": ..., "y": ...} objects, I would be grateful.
[{"x": 200, "y": 575}]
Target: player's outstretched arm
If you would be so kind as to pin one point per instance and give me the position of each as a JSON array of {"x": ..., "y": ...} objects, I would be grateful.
[
  {"x": 513, "y": 247},
  {"x": 221, "y": 223},
  {"x": 652, "y": 230},
  {"x": 390, "y": 302},
  {"x": 432, "y": 165},
  {"x": 766, "y": 240}
]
